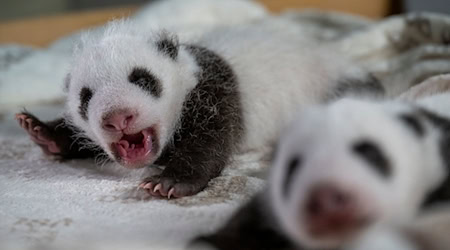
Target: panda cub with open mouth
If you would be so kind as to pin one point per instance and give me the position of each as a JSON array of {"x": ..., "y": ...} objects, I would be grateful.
[
  {"x": 146, "y": 98},
  {"x": 347, "y": 169}
]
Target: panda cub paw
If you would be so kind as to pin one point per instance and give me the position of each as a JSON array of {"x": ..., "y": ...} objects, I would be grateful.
[
  {"x": 162, "y": 186},
  {"x": 39, "y": 133}
]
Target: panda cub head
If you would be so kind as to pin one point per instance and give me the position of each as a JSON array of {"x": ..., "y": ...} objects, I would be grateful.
[
  {"x": 345, "y": 167},
  {"x": 125, "y": 90}
]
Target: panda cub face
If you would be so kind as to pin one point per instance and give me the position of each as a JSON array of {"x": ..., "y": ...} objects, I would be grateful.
[
  {"x": 125, "y": 92},
  {"x": 341, "y": 168}
]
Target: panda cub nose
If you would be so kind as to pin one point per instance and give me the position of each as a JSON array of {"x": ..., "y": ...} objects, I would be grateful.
[
  {"x": 118, "y": 120},
  {"x": 330, "y": 210}
]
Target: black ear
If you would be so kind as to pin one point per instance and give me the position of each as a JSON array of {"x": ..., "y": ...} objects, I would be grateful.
[{"x": 168, "y": 44}]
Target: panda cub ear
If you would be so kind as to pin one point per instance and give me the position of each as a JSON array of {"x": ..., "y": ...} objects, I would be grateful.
[{"x": 168, "y": 44}]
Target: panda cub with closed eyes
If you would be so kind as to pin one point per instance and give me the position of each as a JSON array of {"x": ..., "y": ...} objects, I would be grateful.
[
  {"x": 346, "y": 170},
  {"x": 146, "y": 98}
]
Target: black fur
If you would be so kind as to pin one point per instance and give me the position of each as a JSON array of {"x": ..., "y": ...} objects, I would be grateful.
[
  {"x": 85, "y": 96},
  {"x": 442, "y": 192},
  {"x": 142, "y": 77},
  {"x": 250, "y": 228},
  {"x": 357, "y": 86},
  {"x": 65, "y": 138},
  {"x": 210, "y": 127},
  {"x": 374, "y": 156},
  {"x": 293, "y": 165},
  {"x": 413, "y": 123},
  {"x": 168, "y": 45},
  {"x": 445, "y": 36}
]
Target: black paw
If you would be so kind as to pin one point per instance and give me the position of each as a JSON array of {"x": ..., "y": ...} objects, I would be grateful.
[
  {"x": 160, "y": 186},
  {"x": 39, "y": 133}
]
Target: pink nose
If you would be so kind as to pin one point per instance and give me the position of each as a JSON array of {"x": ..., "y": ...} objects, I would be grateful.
[
  {"x": 118, "y": 120},
  {"x": 329, "y": 211}
]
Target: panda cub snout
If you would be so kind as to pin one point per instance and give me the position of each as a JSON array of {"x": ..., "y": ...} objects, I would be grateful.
[
  {"x": 131, "y": 145},
  {"x": 331, "y": 210},
  {"x": 326, "y": 203},
  {"x": 337, "y": 207},
  {"x": 118, "y": 120}
]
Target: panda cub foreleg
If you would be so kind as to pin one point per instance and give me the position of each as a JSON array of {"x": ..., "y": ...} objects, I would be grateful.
[
  {"x": 209, "y": 131},
  {"x": 55, "y": 138}
]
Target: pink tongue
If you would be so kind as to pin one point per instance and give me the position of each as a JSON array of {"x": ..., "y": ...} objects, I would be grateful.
[{"x": 133, "y": 151}]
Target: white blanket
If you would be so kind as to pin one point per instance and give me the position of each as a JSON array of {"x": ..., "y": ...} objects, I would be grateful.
[{"x": 81, "y": 205}]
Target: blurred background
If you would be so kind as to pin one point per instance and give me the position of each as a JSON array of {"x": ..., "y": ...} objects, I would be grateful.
[{"x": 39, "y": 22}]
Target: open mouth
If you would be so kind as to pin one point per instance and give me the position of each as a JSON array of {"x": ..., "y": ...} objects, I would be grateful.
[
  {"x": 339, "y": 229},
  {"x": 133, "y": 150}
]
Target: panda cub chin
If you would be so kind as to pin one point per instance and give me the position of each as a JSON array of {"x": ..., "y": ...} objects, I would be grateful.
[
  {"x": 144, "y": 98},
  {"x": 345, "y": 170}
]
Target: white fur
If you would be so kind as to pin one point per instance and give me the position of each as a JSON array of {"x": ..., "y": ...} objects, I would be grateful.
[
  {"x": 324, "y": 135},
  {"x": 384, "y": 238},
  {"x": 104, "y": 64},
  {"x": 277, "y": 71}
]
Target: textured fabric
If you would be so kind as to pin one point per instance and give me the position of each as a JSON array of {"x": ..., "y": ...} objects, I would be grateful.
[
  {"x": 82, "y": 205},
  {"x": 78, "y": 204}
]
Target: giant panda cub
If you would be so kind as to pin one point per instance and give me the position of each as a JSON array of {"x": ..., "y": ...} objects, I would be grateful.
[
  {"x": 144, "y": 98},
  {"x": 345, "y": 170}
]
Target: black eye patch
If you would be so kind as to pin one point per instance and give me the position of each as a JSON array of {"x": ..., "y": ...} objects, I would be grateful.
[
  {"x": 85, "y": 96},
  {"x": 292, "y": 165},
  {"x": 413, "y": 123},
  {"x": 145, "y": 80},
  {"x": 373, "y": 155},
  {"x": 168, "y": 47}
]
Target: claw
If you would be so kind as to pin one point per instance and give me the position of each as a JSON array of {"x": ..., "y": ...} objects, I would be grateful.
[
  {"x": 157, "y": 188},
  {"x": 28, "y": 123},
  {"x": 171, "y": 191},
  {"x": 53, "y": 148},
  {"x": 148, "y": 185},
  {"x": 19, "y": 116}
]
